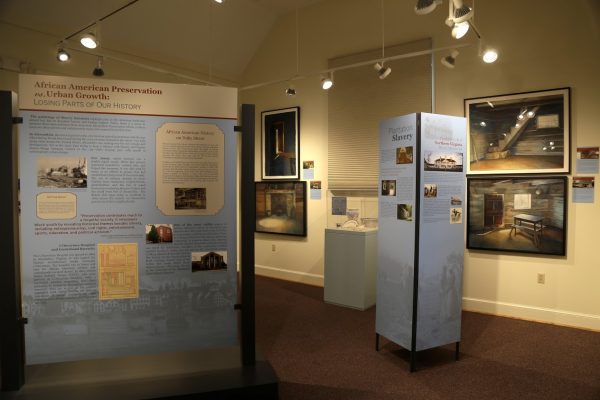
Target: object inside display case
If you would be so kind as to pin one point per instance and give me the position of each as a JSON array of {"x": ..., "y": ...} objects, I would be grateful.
[{"x": 352, "y": 209}]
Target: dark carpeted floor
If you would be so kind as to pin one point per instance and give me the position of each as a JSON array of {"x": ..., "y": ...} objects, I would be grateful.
[{"x": 321, "y": 351}]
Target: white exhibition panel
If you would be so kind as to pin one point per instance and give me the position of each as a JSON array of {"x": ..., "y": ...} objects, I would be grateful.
[
  {"x": 421, "y": 228},
  {"x": 396, "y": 238},
  {"x": 128, "y": 228}
]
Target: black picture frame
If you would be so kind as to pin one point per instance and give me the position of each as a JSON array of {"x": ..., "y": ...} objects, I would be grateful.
[
  {"x": 281, "y": 207},
  {"x": 520, "y": 133},
  {"x": 517, "y": 214},
  {"x": 280, "y": 144}
]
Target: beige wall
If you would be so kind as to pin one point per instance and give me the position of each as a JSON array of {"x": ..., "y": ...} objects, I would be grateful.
[{"x": 543, "y": 44}]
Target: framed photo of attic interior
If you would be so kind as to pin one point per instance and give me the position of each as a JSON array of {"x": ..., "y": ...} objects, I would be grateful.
[
  {"x": 518, "y": 214},
  {"x": 522, "y": 133}
]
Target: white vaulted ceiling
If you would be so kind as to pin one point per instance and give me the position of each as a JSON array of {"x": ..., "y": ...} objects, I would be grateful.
[{"x": 196, "y": 39}]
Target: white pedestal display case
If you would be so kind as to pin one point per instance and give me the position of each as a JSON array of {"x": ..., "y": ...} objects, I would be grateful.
[{"x": 350, "y": 267}]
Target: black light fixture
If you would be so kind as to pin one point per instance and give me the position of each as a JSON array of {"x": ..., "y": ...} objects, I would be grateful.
[
  {"x": 327, "y": 82},
  {"x": 450, "y": 60},
  {"x": 462, "y": 12},
  {"x": 99, "y": 71},
  {"x": 290, "y": 91},
  {"x": 382, "y": 70},
  {"x": 426, "y": 6},
  {"x": 89, "y": 40},
  {"x": 62, "y": 55}
]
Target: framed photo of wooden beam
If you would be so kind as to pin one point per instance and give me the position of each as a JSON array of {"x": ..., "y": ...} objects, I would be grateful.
[
  {"x": 280, "y": 144},
  {"x": 521, "y": 133},
  {"x": 518, "y": 214}
]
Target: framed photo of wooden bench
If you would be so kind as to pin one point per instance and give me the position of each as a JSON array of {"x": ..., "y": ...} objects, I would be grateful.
[
  {"x": 521, "y": 133},
  {"x": 518, "y": 214}
]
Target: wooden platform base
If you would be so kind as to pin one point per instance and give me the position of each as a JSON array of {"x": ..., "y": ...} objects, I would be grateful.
[{"x": 204, "y": 374}]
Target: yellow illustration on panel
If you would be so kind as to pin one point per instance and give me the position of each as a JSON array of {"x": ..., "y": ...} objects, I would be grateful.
[{"x": 118, "y": 271}]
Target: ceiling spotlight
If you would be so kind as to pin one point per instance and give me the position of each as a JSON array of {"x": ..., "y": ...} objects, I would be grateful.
[
  {"x": 62, "y": 55},
  {"x": 290, "y": 91},
  {"x": 219, "y": 1},
  {"x": 551, "y": 143},
  {"x": 98, "y": 71},
  {"x": 426, "y": 6},
  {"x": 460, "y": 29},
  {"x": 326, "y": 83},
  {"x": 521, "y": 116},
  {"x": 382, "y": 70},
  {"x": 462, "y": 12},
  {"x": 530, "y": 114},
  {"x": 489, "y": 56},
  {"x": 89, "y": 40},
  {"x": 450, "y": 60},
  {"x": 517, "y": 125},
  {"x": 482, "y": 123}
]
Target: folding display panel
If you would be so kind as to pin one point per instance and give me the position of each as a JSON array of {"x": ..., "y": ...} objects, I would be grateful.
[{"x": 421, "y": 231}]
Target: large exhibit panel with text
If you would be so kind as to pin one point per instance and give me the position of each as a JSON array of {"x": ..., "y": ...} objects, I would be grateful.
[
  {"x": 421, "y": 231},
  {"x": 128, "y": 217}
]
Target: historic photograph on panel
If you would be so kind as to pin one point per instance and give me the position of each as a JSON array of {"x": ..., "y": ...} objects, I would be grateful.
[
  {"x": 281, "y": 207},
  {"x": 280, "y": 144},
  {"x": 443, "y": 161},
  {"x": 404, "y": 155},
  {"x": 118, "y": 271},
  {"x": 388, "y": 187},
  {"x": 159, "y": 233},
  {"x": 456, "y": 215},
  {"x": 190, "y": 198},
  {"x": 62, "y": 172},
  {"x": 405, "y": 212},
  {"x": 430, "y": 190},
  {"x": 209, "y": 261},
  {"x": 521, "y": 214},
  {"x": 519, "y": 133}
]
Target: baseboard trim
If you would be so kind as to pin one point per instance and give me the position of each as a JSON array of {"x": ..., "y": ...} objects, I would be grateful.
[
  {"x": 285, "y": 274},
  {"x": 531, "y": 313}
]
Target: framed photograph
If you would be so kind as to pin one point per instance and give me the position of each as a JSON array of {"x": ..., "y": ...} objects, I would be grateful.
[
  {"x": 281, "y": 144},
  {"x": 281, "y": 207},
  {"x": 522, "y": 133},
  {"x": 519, "y": 214}
]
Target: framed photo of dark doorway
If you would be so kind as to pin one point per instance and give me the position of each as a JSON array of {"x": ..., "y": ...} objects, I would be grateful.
[
  {"x": 521, "y": 133},
  {"x": 518, "y": 214},
  {"x": 280, "y": 144},
  {"x": 281, "y": 207}
]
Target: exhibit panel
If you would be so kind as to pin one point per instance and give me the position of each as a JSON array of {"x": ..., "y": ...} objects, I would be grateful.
[
  {"x": 128, "y": 229},
  {"x": 441, "y": 230},
  {"x": 421, "y": 231},
  {"x": 396, "y": 235}
]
